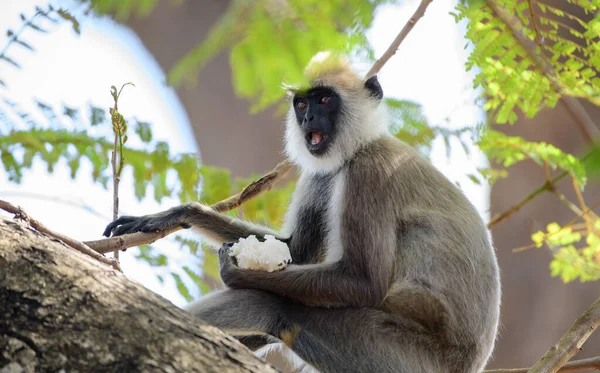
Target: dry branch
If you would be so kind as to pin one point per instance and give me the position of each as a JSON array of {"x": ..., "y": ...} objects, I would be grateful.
[
  {"x": 572, "y": 366},
  {"x": 251, "y": 191},
  {"x": 77, "y": 245},
  {"x": 570, "y": 343},
  {"x": 399, "y": 38}
]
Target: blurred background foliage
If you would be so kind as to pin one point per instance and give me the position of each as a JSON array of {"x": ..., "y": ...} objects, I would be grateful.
[{"x": 521, "y": 62}]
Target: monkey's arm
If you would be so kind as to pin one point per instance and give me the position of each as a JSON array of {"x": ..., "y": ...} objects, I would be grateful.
[
  {"x": 213, "y": 225},
  {"x": 360, "y": 279}
]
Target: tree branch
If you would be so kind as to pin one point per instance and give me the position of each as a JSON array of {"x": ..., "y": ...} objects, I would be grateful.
[
  {"x": 79, "y": 246},
  {"x": 399, "y": 39},
  {"x": 62, "y": 312},
  {"x": 570, "y": 343},
  {"x": 545, "y": 187},
  {"x": 251, "y": 191},
  {"x": 584, "y": 122},
  {"x": 572, "y": 366}
]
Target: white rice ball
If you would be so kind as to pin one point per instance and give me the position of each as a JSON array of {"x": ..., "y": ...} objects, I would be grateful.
[{"x": 269, "y": 256}]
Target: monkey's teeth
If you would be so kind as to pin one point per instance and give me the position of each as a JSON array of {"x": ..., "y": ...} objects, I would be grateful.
[{"x": 316, "y": 138}]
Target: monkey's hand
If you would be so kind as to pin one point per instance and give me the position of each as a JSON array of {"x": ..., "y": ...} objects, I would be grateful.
[{"x": 148, "y": 223}]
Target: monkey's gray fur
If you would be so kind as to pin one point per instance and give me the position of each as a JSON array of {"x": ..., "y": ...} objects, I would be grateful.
[{"x": 392, "y": 267}]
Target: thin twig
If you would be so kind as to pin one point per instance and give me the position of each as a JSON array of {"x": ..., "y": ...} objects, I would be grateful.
[
  {"x": 535, "y": 28},
  {"x": 398, "y": 40},
  {"x": 566, "y": 201},
  {"x": 255, "y": 188},
  {"x": 118, "y": 128},
  {"x": 572, "y": 366},
  {"x": 586, "y": 218},
  {"x": 588, "y": 210},
  {"x": 113, "y": 162},
  {"x": 559, "y": 195},
  {"x": 546, "y": 186},
  {"x": 251, "y": 191},
  {"x": 514, "y": 209},
  {"x": 77, "y": 245},
  {"x": 570, "y": 343},
  {"x": 584, "y": 122}
]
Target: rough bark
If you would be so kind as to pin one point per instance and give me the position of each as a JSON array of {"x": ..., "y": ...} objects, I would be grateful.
[{"x": 63, "y": 311}]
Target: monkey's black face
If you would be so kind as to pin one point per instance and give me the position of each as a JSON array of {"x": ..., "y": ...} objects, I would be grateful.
[{"x": 317, "y": 113}]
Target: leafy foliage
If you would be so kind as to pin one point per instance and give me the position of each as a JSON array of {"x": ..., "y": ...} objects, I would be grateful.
[
  {"x": 268, "y": 40},
  {"x": 409, "y": 124},
  {"x": 560, "y": 56},
  {"x": 149, "y": 167},
  {"x": 509, "y": 150},
  {"x": 124, "y": 9},
  {"x": 48, "y": 14},
  {"x": 593, "y": 165},
  {"x": 570, "y": 262}
]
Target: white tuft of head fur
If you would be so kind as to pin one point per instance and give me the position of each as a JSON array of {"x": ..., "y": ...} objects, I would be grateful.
[{"x": 361, "y": 120}]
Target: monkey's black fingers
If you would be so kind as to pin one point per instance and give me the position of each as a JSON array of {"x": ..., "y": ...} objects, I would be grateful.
[
  {"x": 127, "y": 228},
  {"x": 119, "y": 221}
]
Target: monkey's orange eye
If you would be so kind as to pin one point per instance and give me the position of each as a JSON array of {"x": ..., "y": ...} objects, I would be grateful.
[
  {"x": 325, "y": 99},
  {"x": 301, "y": 105}
]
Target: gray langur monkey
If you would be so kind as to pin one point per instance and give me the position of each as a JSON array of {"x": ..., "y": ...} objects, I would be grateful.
[{"x": 393, "y": 270}]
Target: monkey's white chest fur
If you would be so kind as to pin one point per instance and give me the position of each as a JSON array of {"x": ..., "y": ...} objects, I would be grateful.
[
  {"x": 269, "y": 256},
  {"x": 333, "y": 238}
]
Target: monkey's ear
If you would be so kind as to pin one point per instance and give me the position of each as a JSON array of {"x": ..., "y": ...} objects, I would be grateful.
[{"x": 372, "y": 84}]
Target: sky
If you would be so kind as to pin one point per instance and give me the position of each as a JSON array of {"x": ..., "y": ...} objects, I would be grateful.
[{"x": 78, "y": 70}]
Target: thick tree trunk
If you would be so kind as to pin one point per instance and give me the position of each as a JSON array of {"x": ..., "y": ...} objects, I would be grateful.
[{"x": 62, "y": 311}]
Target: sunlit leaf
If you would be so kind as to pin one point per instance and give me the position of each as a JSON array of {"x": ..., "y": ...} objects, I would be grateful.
[{"x": 183, "y": 290}]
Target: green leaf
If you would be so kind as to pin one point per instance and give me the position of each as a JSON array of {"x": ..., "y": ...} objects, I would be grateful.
[
  {"x": 509, "y": 150},
  {"x": 64, "y": 14},
  {"x": 146, "y": 254},
  {"x": 97, "y": 115},
  {"x": 144, "y": 131},
  {"x": 24, "y": 44},
  {"x": 149, "y": 166},
  {"x": 512, "y": 73},
  {"x": 202, "y": 285},
  {"x": 71, "y": 113},
  {"x": 36, "y": 27},
  {"x": 593, "y": 162},
  {"x": 9, "y": 60},
  {"x": 474, "y": 179},
  {"x": 270, "y": 42},
  {"x": 183, "y": 290}
]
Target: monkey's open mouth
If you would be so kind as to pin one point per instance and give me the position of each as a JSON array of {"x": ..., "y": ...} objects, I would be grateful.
[
  {"x": 314, "y": 137},
  {"x": 317, "y": 142}
]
